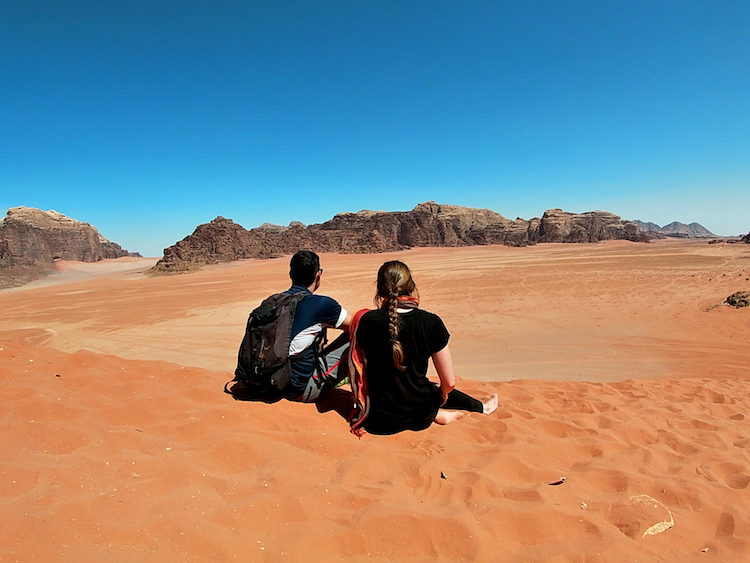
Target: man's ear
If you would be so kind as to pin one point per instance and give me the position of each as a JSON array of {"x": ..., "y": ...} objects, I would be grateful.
[{"x": 290, "y": 275}]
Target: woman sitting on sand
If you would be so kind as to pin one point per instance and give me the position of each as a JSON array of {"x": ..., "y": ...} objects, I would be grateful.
[{"x": 397, "y": 340}]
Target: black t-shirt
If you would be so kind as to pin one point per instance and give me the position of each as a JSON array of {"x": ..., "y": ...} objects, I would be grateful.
[{"x": 401, "y": 400}]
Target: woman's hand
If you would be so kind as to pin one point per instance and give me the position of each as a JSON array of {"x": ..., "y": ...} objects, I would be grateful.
[{"x": 444, "y": 393}]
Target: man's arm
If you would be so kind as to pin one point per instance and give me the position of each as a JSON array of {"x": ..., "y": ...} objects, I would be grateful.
[
  {"x": 342, "y": 338},
  {"x": 346, "y": 322}
]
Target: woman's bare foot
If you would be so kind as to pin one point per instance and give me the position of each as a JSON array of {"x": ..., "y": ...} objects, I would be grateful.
[
  {"x": 446, "y": 417},
  {"x": 490, "y": 405}
]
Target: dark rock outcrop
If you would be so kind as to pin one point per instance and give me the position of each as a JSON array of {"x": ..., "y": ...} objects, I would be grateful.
[
  {"x": 365, "y": 232},
  {"x": 32, "y": 239},
  {"x": 738, "y": 299},
  {"x": 676, "y": 229},
  {"x": 746, "y": 239}
]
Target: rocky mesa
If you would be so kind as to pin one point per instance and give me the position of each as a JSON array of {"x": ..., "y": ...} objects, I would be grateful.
[
  {"x": 428, "y": 224},
  {"x": 32, "y": 239}
]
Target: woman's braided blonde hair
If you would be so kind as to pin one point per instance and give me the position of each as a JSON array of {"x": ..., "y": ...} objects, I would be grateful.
[{"x": 394, "y": 280}]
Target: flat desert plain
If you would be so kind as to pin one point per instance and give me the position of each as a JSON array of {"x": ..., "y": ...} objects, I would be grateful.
[{"x": 622, "y": 432}]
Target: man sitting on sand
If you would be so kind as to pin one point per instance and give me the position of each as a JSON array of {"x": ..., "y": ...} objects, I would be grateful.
[{"x": 314, "y": 314}]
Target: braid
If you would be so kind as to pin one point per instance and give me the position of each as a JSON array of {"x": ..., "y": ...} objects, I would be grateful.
[
  {"x": 393, "y": 321},
  {"x": 394, "y": 280}
]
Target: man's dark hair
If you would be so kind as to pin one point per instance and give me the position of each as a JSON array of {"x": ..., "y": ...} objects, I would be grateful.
[{"x": 303, "y": 266}]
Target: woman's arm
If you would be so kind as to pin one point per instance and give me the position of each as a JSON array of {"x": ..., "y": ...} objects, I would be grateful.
[{"x": 444, "y": 367}]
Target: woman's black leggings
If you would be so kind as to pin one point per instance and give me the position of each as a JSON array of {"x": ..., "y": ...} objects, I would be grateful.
[{"x": 459, "y": 401}]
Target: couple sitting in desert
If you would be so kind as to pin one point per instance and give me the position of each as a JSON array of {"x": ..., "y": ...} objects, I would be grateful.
[{"x": 390, "y": 347}]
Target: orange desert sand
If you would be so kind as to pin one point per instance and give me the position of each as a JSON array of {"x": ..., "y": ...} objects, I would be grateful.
[{"x": 612, "y": 369}]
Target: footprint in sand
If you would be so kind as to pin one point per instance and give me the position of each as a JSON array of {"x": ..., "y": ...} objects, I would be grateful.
[
  {"x": 430, "y": 447},
  {"x": 522, "y": 495},
  {"x": 737, "y": 480}
]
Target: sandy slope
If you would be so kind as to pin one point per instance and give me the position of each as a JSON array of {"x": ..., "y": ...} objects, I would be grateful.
[
  {"x": 70, "y": 271},
  {"x": 622, "y": 383}
]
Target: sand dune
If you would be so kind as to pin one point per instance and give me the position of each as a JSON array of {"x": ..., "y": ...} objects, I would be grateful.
[{"x": 120, "y": 446}]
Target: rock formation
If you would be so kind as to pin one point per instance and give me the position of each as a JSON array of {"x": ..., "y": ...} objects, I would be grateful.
[
  {"x": 559, "y": 226},
  {"x": 428, "y": 224},
  {"x": 676, "y": 229},
  {"x": 746, "y": 239},
  {"x": 738, "y": 299},
  {"x": 32, "y": 239}
]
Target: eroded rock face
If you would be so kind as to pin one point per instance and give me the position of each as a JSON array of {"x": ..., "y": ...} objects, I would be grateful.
[
  {"x": 364, "y": 232},
  {"x": 32, "y": 235},
  {"x": 32, "y": 239},
  {"x": 560, "y": 226},
  {"x": 428, "y": 224},
  {"x": 746, "y": 239}
]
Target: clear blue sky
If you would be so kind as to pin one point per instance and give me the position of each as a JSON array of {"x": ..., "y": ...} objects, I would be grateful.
[{"x": 147, "y": 118}]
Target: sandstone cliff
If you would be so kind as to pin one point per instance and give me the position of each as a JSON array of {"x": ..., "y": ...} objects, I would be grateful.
[
  {"x": 560, "y": 226},
  {"x": 32, "y": 239},
  {"x": 428, "y": 224}
]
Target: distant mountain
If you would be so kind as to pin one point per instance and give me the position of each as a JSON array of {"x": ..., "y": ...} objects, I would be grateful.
[
  {"x": 677, "y": 229},
  {"x": 693, "y": 230},
  {"x": 32, "y": 239},
  {"x": 648, "y": 227},
  {"x": 365, "y": 232}
]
